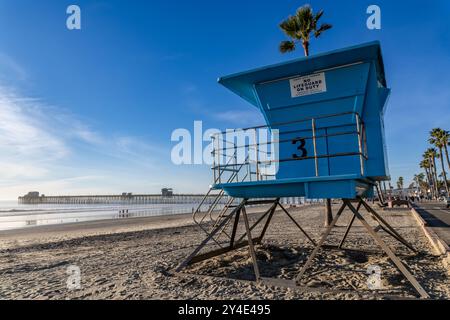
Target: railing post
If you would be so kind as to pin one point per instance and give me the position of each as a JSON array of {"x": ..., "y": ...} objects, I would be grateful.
[
  {"x": 257, "y": 157},
  {"x": 214, "y": 157},
  {"x": 361, "y": 157},
  {"x": 249, "y": 166},
  {"x": 236, "y": 161},
  {"x": 218, "y": 159},
  {"x": 316, "y": 162}
]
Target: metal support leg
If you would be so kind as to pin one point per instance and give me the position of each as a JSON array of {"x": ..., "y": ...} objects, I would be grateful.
[
  {"x": 268, "y": 212},
  {"x": 389, "y": 233},
  {"x": 380, "y": 194},
  {"x": 211, "y": 235},
  {"x": 389, "y": 252},
  {"x": 348, "y": 228},
  {"x": 386, "y": 225},
  {"x": 298, "y": 226},
  {"x": 233, "y": 233},
  {"x": 250, "y": 245},
  {"x": 319, "y": 245},
  {"x": 269, "y": 219}
]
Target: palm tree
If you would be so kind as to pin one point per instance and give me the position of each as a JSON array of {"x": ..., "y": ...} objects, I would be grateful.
[
  {"x": 299, "y": 28},
  {"x": 431, "y": 155},
  {"x": 447, "y": 138},
  {"x": 446, "y": 141},
  {"x": 422, "y": 182},
  {"x": 416, "y": 179},
  {"x": 425, "y": 164},
  {"x": 400, "y": 183},
  {"x": 444, "y": 137},
  {"x": 419, "y": 180},
  {"x": 439, "y": 139}
]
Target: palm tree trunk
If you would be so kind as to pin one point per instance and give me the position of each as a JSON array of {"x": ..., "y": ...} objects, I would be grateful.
[
  {"x": 306, "y": 48},
  {"x": 433, "y": 182},
  {"x": 443, "y": 170},
  {"x": 430, "y": 182},
  {"x": 432, "y": 178},
  {"x": 435, "y": 176},
  {"x": 446, "y": 155},
  {"x": 427, "y": 171}
]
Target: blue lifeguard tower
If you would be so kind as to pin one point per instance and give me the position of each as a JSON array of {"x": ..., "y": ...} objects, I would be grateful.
[{"x": 327, "y": 112}]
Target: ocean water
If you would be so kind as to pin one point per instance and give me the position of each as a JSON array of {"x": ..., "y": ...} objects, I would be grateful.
[{"x": 17, "y": 216}]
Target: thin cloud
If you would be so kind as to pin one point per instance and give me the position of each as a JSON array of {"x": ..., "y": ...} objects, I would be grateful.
[
  {"x": 22, "y": 134},
  {"x": 11, "y": 67},
  {"x": 9, "y": 170},
  {"x": 40, "y": 145}
]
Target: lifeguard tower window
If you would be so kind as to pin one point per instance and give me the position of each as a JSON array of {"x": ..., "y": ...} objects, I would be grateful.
[{"x": 328, "y": 110}]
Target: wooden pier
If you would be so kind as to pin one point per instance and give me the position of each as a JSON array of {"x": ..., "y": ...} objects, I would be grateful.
[{"x": 119, "y": 199}]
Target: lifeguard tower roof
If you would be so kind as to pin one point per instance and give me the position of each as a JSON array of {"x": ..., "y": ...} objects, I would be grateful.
[
  {"x": 243, "y": 83},
  {"x": 328, "y": 109}
]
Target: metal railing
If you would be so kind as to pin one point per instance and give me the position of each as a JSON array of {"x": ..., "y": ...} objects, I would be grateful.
[
  {"x": 225, "y": 152},
  {"x": 200, "y": 217},
  {"x": 227, "y": 167}
]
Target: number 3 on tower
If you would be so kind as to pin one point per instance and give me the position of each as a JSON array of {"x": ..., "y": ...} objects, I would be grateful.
[{"x": 301, "y": 148}]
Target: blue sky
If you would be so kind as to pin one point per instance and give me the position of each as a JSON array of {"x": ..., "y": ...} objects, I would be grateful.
[{"x": 92, "y": 110}]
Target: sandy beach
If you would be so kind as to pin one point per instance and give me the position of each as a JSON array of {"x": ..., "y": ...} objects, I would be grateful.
[{"x": 133, "y": 259}]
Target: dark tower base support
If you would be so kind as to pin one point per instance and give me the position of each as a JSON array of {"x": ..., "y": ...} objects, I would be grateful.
[{"x": 240, "y": 212}]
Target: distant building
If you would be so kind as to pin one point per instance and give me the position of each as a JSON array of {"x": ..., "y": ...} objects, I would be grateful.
[
  {"x": 167, "y": 192},
  {"x": 404, "y": 192},
  {"x": 32, "y": 194}
]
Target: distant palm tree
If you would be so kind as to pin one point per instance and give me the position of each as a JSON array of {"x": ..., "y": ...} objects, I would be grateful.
[
  {"x": 446, "y": 140},
  {"x": 431, "y": 155},
  {"x": 439, "y": 139},
  {"x": 424, "y": 164},
  {"x": 443, "y": 137},
  {"x": 446, "y": 147},
  {"x": 423, "y": 185},
  {"x": 400, "y": 183},
  {"x": 300, "y": 27},
  {"x": 419, "y": 180}
]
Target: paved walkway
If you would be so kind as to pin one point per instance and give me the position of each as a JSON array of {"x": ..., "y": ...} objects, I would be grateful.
[{"x": 437, "y": 218}]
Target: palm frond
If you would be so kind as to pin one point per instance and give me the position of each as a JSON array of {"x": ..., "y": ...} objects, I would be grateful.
[
  {"x": 290, "y": 27},
  {"x": 300, "y": 27},
  {"x": 324, "y": 27},
  {"x": 287, "y": 46},
  {"x": 305, "y": 19},
  {"x": 318, "y": 16},
  {"x": 438, "y": 137}
]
